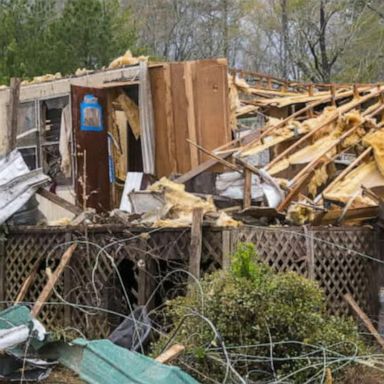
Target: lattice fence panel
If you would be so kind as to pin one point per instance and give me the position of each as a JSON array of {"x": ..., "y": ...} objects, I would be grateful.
[
  {"x": 104, "y": 282},
  {"x": 340, "y": 267},
  {"x": 212, "y": 250},
  {"x": 282, "y": 248},
  {"x": 169, "y": 251},
  {"x": 22, "y": 250},
  {"x": 144, "y": 259}
]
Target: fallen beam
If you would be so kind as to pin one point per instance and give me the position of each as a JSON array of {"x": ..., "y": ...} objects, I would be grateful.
[
  {"x": 200, "y": 169},
  {"x": 364, "y": 318},
  {"x": 52, "y": 280},
  {"x": 333, "y": 215},
  {"x": 59, "y": 201}
]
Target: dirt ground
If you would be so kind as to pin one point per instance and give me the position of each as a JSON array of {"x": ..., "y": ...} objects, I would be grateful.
[{"x": 62, "y": 375}]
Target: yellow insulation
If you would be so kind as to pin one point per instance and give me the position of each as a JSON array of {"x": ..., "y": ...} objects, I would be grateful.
[
  {"x": 181, "y": 204},
  {"x": 376, "y": 141},
  {"x": 366, "y": 174},
  {"x": 320, "y": 178},
  {"x": 326, "y": 144}
]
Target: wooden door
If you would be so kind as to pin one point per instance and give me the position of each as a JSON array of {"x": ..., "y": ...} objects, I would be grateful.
[{"x": 91, "y": 151}]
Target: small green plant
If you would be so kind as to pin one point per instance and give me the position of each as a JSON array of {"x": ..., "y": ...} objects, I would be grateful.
[
  {"x": 252, "y": 308},
  {"x": 245, "y": 263}
]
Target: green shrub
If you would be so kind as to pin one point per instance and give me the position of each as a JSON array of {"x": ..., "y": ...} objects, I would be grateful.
[{"x": 251, "y": 306}]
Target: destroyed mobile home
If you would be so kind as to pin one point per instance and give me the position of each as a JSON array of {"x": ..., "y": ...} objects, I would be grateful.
[
  {"x": 140, "y": 167},
  {"x": 250, "y": 146}
]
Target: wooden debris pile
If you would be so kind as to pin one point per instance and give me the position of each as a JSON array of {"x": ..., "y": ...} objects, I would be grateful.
[{"x": 315, "y": 151}]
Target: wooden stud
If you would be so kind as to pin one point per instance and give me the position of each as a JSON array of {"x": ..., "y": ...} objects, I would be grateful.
[
  {"x": 218, "y": 158},
  {"x": 227, "y": 251},
  {"x": 356, "y": 94},
  {"x": 310, "y": 93},
  {"x": 333, "y": 95},
  {"x": 309, "y": 243},
  {"x": 52, "y": 280},
  {"x": 364, "y": 318},
  {"x": 247, "y": 189},
  {"x": 196, "y": 242}
]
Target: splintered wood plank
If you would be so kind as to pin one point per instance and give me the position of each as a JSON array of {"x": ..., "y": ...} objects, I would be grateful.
[
  {"x": 28, "y": 282},
  {"x": 170, "y": 354},
  {"x": 364, "y": 318},
  {"x": 171, "y": 140},
  {"x": 159, "y": 89},
  {"x": 192, "y": 134},
  {"x": 52, "y": 280},
  {"x": 211, "y": 104},
  {"x": 180, "y": 118}
]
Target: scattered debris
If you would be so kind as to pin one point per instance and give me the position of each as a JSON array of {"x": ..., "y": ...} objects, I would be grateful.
[{"x": 17, "y": 184}]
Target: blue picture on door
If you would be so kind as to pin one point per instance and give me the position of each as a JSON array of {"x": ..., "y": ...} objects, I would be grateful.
[{"x": 91, "y": 114}]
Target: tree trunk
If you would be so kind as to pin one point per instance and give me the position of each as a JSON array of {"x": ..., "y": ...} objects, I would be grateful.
[
  {"x": 285, "y": 37},
  {"x": 325, "y": 67},
  {"x": 225, "y": 29}
]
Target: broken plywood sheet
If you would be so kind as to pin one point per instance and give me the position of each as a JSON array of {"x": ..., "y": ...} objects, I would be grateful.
[
  {"x": 350, "y": 187},
  {"x": 326, "y": 145},
  {"x": 290, "y": 130}
]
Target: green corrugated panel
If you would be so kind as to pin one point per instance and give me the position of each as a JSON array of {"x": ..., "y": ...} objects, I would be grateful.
[
  {"x": 19, "y": 315},
  {"x": 102, "y": 362},
  {"x": 14, "y": 316}
]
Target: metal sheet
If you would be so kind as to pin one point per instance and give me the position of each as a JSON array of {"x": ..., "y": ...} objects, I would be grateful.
[{"x": 17, "y": 184}]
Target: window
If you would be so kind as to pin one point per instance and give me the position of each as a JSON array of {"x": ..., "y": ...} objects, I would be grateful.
[
  {"x": 50, "y": 116},
  {"x": 27, "y": 139}
]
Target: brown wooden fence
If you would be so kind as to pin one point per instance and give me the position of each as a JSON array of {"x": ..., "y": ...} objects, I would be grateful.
[{"x": 114, "y": 268}]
